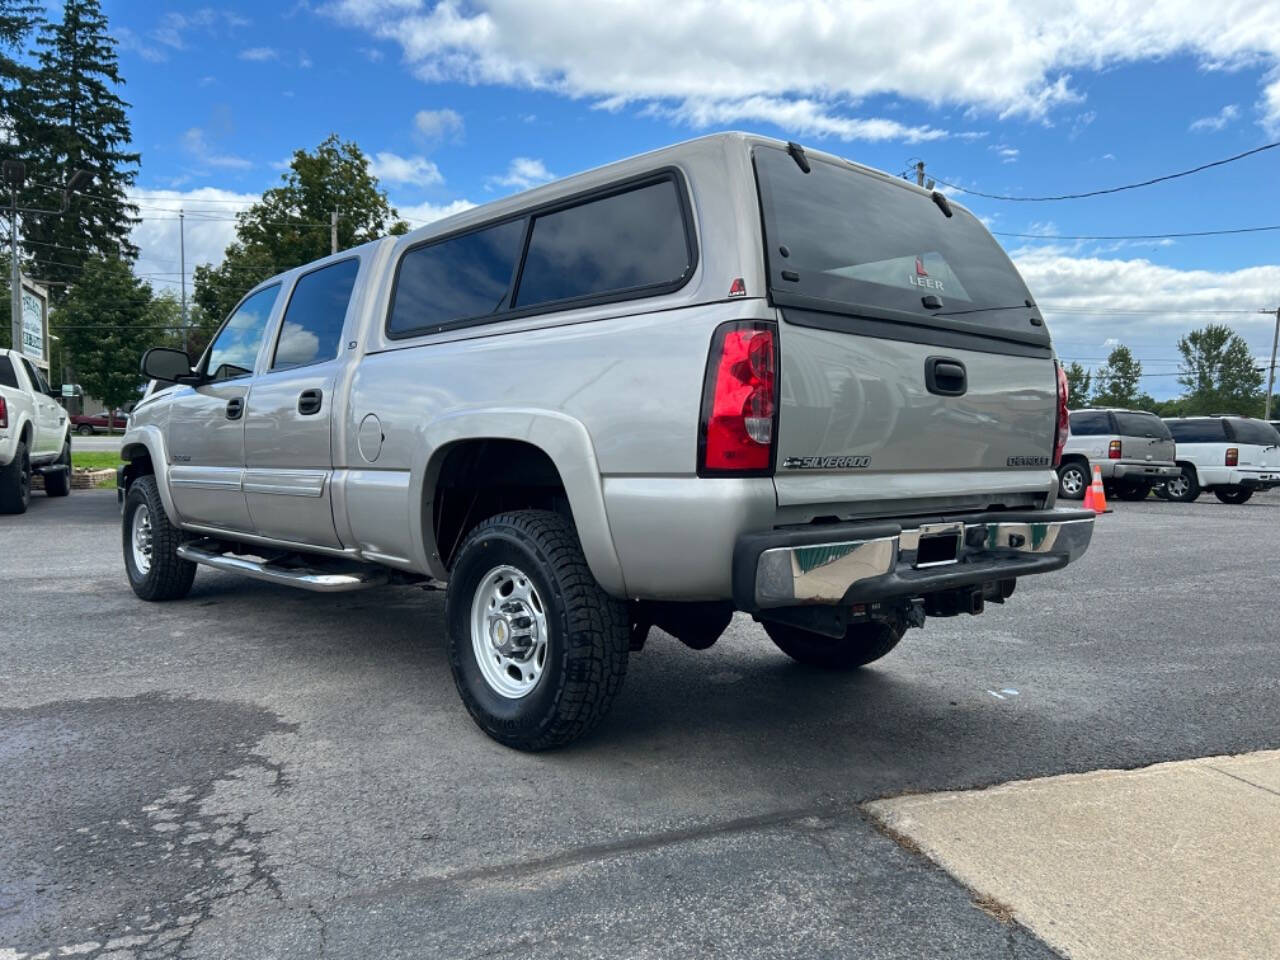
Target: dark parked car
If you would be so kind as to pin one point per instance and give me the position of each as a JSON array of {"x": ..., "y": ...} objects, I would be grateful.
[{"x": 90, "y": 423}]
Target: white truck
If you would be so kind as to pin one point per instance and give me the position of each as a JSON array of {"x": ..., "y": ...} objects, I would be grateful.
[{"x": 34, "y": 434}]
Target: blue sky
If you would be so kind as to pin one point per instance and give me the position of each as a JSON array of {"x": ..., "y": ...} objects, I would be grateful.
[{"x": 459, "y": 103}]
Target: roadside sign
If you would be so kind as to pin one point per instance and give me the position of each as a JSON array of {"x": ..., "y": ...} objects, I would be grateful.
[{"x": 35, "y": 323}]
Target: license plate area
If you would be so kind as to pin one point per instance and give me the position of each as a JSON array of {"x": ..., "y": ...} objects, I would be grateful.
[{"x": 938, "y": 544}]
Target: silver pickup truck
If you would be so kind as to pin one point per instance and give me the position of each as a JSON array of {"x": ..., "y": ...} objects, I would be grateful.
[{"x": 733, "y": 374}]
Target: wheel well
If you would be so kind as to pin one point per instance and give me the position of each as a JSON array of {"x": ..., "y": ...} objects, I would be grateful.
[
  {"x": 137, "y": 464},
  {"x": 480, "y": 478},
  {"x": 1074, "y": 458},
  {"x": 25, "y": 435}
]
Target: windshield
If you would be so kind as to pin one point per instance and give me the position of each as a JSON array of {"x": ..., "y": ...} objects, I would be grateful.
[
  {"x": 1254, "y": 431},
  {"x": 850, "y": 238}
]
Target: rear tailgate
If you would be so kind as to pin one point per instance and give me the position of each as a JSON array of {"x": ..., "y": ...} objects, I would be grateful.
[{"x": 914, "y": 364}]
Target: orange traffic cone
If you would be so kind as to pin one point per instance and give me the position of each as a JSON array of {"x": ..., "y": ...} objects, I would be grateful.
[{"x": 1096, "y": 498}]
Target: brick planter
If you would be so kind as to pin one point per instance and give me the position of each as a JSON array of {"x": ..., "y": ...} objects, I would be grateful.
[{"x": 81, "y": 479}]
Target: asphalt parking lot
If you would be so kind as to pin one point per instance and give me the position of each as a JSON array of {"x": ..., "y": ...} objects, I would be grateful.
[{"x": 260, "y": 772}]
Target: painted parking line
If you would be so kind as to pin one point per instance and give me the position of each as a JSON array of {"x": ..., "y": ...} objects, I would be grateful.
[{"x": 1178, "y": 860}]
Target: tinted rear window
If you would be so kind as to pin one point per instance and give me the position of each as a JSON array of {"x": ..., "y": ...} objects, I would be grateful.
[
  {"x": 1197, "y": 431},
  {"x": 1142, "y": 425},
  {"x": 7, "y": 377},
  {"x": 313, "y": 321},
  {"x": 1090, "y": 423},
  {"x": 1254, "y": 431},
  {"x": 839, "y": 235},
  {"x": 459, "y": 278},
  {"x": 628, "y": 241}
]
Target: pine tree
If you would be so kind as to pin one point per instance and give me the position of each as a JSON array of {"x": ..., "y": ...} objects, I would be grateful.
[
  {"x": 17, "y": 19},
  {"x": 78, "y": 122}
]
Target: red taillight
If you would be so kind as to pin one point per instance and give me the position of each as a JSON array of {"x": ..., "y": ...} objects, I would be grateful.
[
  {"x": 1233, "y": 456},
  {"x": 740, "y": 400},
  {"x": 1064, "y": 424},
  {"x": 4, "y": 413},
  {"x": 1113, "y": 450}
]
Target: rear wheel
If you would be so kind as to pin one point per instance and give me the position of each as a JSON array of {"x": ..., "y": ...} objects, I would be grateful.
[
  {"x": 57, "y": 483},
  {"x": 15, "y": 482},
  {"x": 1233, "y": 494},
  {"x": 538, "y": 649},
  {"x": 1185, "y": 487},
  {"x": 155, "y": 570},
  {"x": 1072, "y": 480},
  {"x": 1133, "y": 491},
  {"x": 861, "y": 644},
  {"x": 84, "y": 430}
]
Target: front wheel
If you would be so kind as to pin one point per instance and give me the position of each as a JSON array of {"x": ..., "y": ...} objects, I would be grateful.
[
  {"x": 1233, "y": 494},
  {"x": 57, "y": 483},
  {"x": 861, "y": 644},
  {"x": 1185, "y": 487},
  {"x": 537, "y": 648},
  {"x": 155, "y": 570}
]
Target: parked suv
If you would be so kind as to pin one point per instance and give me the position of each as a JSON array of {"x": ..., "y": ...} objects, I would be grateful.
[
  {"x": 732, "y": 374},
  {"x": 1132, "y": 449},
  {"x": 1232, "y": 456}
]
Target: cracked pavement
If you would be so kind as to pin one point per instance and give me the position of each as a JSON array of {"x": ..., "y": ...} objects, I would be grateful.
[{"x": 261, "y": 772}]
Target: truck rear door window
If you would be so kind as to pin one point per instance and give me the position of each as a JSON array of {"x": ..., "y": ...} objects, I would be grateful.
[
  {"x": 312, "y": 327},
  {"x": 853, "y": 242},
  {"x": 627, "y": 241},
  {"x": 8, "y": 378},
  {"x": 457, "y": 278},
  {"x": 1142, "y": 425}
]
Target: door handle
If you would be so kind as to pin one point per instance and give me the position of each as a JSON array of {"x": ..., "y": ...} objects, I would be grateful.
[
  {"x": 309, "y": 402},
  {"x": 945, "y": 376},
  {"x": 235, "y": 407}
]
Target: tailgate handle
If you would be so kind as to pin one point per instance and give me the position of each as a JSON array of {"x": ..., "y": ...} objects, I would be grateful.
[{"x": 945, "y": 377}]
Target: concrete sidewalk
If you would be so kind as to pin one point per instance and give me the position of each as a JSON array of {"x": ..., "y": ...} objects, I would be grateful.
[{"x": 1174, "y": 860}]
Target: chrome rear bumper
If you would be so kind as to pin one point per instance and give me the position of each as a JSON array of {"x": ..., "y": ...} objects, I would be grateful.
[{"x": 864, "y": 562}]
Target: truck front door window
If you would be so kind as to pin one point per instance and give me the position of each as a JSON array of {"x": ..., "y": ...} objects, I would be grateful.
[{"x": 235, "y": 350}]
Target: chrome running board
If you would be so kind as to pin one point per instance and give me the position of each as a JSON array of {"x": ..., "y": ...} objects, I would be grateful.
[{"x": 307, "y": 578}]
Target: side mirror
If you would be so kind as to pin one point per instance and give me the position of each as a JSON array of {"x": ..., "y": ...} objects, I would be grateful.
[{"x": 167, "y": 365}]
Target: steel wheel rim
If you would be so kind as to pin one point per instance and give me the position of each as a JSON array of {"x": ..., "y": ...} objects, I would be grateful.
[
  {"x": 1072, "y": 481},
  {"x": 509, "y": 632},
  {"x": 140, "y": 539}
]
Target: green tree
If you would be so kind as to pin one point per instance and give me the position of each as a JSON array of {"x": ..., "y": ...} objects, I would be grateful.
[
  {"x": 290, "y": 225},
  {"x": 1219, "y": 372},
  {"x": 106, "y": 322},
  {"x": 1078, "y": 383},
  {"x": 17, "y": 19},
  {"x": 1116, "y": 382},
  {"x": 76, "y": 121}
]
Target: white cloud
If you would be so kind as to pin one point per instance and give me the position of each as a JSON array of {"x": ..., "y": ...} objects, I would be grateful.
[
  {"x": 1007, "y": 57},
  {"x": 522, "y": 173},
  {"x": 393, "y": 168},
  {"x": 803, "y": 117},
  {"x": 197, "y": 144},
  {"x": 437, "y": 124},
  {"x": 304, "y": 61},
  {"x": 1217, "y": 121},
  {"x": 170, "y": 31},
  {"x": 1006, "y": 153},
  {"x": 259, "y": 54},
  {"x": 420, "y": 214},
  {"x": 372, "y": 54},
  {"x": 209, "y": 227}
]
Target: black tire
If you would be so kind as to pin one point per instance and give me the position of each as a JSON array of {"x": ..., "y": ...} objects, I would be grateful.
[
  {"x": 588, "y": 632},
  {"x": 1233, "y": 494},
  {"x": 1160, "y": 491},
  {"x": 15, "y": 482},
  {"x": 168, "y": 576},
  {"x": 1185, "y": 488},
  {"x": 84, "y": 430},
  {"x": 861, "y": 644},
  {"x": 1073, "y": 480},
  {"x": 1133, "y": 491},
  {"x": 58, "y": 483}
]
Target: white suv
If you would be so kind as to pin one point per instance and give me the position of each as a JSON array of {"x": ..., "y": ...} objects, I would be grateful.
[{"x": 1232, "y": 456}]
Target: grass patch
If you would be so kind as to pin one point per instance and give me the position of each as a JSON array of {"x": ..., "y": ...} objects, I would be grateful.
[{"x": 95, "y": 459}]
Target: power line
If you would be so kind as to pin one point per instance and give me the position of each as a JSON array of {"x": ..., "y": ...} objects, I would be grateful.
[
  {"x": 1127, "y": 186},
  {"x": 1138, "y": 236}
]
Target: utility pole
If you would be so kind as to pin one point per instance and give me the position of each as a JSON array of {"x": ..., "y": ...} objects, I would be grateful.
[
  {"x": 182, "y": 265},
  {"x": 15, "y": 175},
  {"x": 1271, "y": 371},
  {"x": 333, "y": 231},
  {"x": 919, "y": 173}
]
